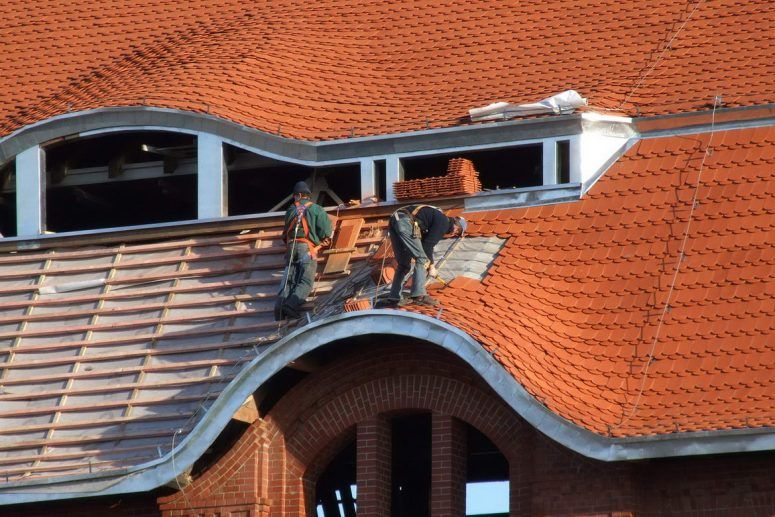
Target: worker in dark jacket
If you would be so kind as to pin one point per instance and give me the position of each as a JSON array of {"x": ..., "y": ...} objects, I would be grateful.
[
  {"x": 414, "y": 232},
  {"x": 307, "y": 229}
]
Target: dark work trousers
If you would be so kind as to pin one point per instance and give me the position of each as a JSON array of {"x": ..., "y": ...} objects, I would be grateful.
[
  {"x": 407, "y": 248},
  {"x": 300, "y": 276}
]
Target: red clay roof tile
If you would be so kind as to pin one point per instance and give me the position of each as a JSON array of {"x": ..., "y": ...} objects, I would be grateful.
[
  {"x": 574, "y": 312},
  {"x": 351, "y": 67}
]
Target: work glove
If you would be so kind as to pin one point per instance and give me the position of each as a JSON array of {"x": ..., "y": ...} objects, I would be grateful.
[
  {"x": 432, "y": 271},
  {"x": 326, "y": 242}
]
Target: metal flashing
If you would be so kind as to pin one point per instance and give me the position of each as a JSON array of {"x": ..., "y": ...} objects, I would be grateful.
[
  {"x": 522, "y": 197},
  {"x": 92, "y": 122},
  {"x": 397, "y": 323}
]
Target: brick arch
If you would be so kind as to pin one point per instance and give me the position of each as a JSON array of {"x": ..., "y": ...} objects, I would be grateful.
[{"x": 311, "y": 422}]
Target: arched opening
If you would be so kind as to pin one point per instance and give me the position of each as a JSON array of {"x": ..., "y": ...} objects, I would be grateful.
[
  {"x": 487, "y": 476},
  {"x": 336, "y": 489},
  {"x": 484, "y": 469}
]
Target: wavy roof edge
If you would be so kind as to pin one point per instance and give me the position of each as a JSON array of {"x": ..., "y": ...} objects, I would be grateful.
[
  {"x": 107, "y": 119},
  {"x": 159, "y": 472}
]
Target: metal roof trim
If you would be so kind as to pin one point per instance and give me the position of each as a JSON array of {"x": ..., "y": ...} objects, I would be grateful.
[{"x": 385, "y": 322}]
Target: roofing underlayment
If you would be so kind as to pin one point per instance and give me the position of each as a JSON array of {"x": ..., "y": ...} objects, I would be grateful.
[
  {"x": 340, "y": 68},
  {"x": 111, "y": 349}
]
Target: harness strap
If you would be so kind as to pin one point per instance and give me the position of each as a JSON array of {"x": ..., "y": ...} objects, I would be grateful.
[
  {"x": 313, "y": 250},
  {"x": 301, "y": 210}
]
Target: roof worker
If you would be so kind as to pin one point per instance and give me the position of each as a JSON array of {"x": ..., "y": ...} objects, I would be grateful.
[
  {"x": 414, "y": 232},
  {"x": 307, "y": 229}
]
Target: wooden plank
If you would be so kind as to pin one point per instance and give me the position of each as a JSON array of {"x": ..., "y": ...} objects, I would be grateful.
[
  {"x": 203, "y": 302},
  {"x": 110, "y": 388},
  {"x": 93, "y": 423},
  {"x": 346, "y": 237},
  {"x": 121, "y": 371},
  {"x": 91, "y": 466},
  {"x": 226, "y": 239},
  {"x": 148, "y": 337},
  {"x": 79, "y": 440},
  {"x": 144, "y": 279},
  {"x": 55, "y": 361},
  {"x": 131, "y": 324},
  {"x": 139, "y": 235},
  {"x": 186, "y": 230},
  {"x": 162, "y": 261},
  {"x": 94, "y": 406},
  {"x": 75, "y": 455},
  {"x": 146, "y": 293}
]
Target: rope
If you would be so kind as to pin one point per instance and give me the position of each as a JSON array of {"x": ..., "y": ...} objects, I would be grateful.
[
  {"x": 708, "y": 151},
  {"x": 667, "y": 47},
  {"x": 177, "y": 477}
]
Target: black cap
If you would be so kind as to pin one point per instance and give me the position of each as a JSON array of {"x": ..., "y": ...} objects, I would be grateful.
[{"x": 301, "y": 188}]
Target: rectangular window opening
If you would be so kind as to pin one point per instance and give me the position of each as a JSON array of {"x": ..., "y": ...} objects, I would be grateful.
[
  {"x": 258, "y": 184},
  {"x": 504, "y": 168},
  {"x": 8, "y": 199},
  {"x": 563, "y": 161},
  {"x": 123, "y": 179}
]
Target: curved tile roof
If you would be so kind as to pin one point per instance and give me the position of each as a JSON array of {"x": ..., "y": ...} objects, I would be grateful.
[
  {"x": 334, "y": 69},
  {"x": 108, "y": 351},
  {"x": 575, "y": 304}
]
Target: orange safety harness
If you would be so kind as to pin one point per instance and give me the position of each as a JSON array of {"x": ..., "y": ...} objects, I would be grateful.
[{"x": 301, "y": 210}]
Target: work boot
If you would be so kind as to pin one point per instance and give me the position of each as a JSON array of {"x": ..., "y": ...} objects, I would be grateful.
[
  {"x": 424, "y": 299},
  {"x": 387, "y": 303}
]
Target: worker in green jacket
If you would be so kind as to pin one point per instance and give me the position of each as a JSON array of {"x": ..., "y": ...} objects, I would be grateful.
[{"x": 307, "y": 229}]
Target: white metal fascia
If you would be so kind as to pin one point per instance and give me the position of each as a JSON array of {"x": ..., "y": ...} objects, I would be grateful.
[{"x": 395, "y": 323}]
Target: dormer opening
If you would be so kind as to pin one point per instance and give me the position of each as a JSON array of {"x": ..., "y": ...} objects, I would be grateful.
[
  {"x": 120, "y": 179},
  {"x": 501, "y": 168},
  {"x": 8, "y": 199},
  {"x": 259, "y": 184}
]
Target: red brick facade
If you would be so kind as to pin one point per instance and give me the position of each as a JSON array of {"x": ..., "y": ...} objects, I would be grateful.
[{"x": 273, "y": 468}]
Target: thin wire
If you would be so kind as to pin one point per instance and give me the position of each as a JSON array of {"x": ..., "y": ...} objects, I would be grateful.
[
  {"x": 177, "y": 477},
  {"x": 681, "y": 251},
  {"x": 667, "y": 47}
]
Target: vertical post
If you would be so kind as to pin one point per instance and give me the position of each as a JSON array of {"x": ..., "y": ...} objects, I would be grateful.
[
  {"x": 31, "y": 192},
  {"x": 550, "y": 162},
  {"x": 448, "y": 466},
  {"x": 373, "y": 467},
  {"x": 368, "y": 178},
  {"x": 212, "y": 181},
  {"x": 394, "y": 171},
  {"x": 575, "y": 159}
]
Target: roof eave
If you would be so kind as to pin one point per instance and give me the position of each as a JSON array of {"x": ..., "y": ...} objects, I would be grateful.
[{"x": 388, "y": 322}]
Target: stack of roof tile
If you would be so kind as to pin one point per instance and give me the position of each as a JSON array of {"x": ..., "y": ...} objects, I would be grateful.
[
  {"x": 354, "y": 304},
  {"x": 461, "y": 178}
]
